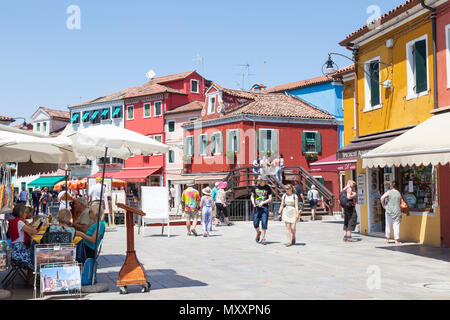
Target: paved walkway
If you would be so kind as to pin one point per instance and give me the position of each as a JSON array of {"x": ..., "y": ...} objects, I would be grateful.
[{"x": 231, "y": 265}]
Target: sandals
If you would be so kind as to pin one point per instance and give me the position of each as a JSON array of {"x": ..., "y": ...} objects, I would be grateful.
[
  {"x": 263, "y": 241},
  {"x": 293, "y": 241},
  {"x": 258, "y": 235}
]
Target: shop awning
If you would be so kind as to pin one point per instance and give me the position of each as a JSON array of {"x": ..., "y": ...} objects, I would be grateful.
[
  {"x": 428, "y": 143},
  {"x": 331, "y": 164},
  {"x": 209, "y": 178},
  {"x": 94, "y": 115},
  {"x": 45, "y": 181},
  {"x": 75, "y": 117},
  {"x": 116, "y": 111},
  {"x": 105, "y": 112},
  {"x": 130, "y": 175},
  {"x": 86, "y": 115},
  {"x": 363, "y": 144}
]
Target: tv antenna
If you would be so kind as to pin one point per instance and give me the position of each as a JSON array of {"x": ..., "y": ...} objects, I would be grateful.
[
  {"x": 247, "y": 69},
  {"x": 201, "y": 64},
  {"x": 150, "y": 75}
]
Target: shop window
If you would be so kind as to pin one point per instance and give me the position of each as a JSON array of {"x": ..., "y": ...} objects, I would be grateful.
[
  {"x": 75, "y": 118},
  {"x": 95, "y": 118},
  {"x": 105, "y": 114},
  {"x": 86, "y": 116},
  {"x": 311, "y": 142},
  {"x": 417, "y": 187}
]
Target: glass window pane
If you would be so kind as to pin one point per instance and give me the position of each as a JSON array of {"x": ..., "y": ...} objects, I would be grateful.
[
  {"x": 147, "y": 110},
  {"x": 157, "y": 109}
]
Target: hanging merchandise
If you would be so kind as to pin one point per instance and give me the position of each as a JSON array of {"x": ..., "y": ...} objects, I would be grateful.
[
  {"x": 3, "y": 247},
  {"x": 435, "y": 190}
]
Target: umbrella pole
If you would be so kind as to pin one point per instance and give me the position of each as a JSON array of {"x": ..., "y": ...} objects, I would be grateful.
[
  {"x": 98, "y": 214},
  {"x": 67, "y": 188}
]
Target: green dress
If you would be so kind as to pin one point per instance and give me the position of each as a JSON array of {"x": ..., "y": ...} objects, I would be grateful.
[{"x": 393, "y": 206}]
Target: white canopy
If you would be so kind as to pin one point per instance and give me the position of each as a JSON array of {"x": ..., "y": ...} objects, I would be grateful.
[
  {"x": 428, "y": 143},
  {"x": 121, "y": 143},
  {"x": 21, "y": 146}
]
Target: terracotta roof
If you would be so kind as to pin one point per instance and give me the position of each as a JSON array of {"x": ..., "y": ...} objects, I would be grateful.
[
  {"x": 57, "y": 114},
  {"x": 115, "y": 96},
  {"x": 300, "y": 84},
  {"x": 234, "y": 92},
  {"x": 170, "y": 78},
  {"x": 345, "y": 70},
  {"x": 29, "y": 127},
  {"x": 190, "y": 107},
  {"x": 383, "y": 19},
  {"x": 280, "y": 105},
  {"x": 150, "y": 88},
  {"x": 6, "y": 118}
]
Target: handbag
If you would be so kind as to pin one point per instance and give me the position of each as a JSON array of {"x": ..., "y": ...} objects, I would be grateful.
[{"x": 404, "y": 206}]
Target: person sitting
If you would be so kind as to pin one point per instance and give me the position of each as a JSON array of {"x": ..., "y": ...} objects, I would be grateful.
[
  {"x": 64, "y": 223},
  {"x": 19, "y": 233},
  {"x": 83, "y": 221},
  {"x": 89, "y": 243}
]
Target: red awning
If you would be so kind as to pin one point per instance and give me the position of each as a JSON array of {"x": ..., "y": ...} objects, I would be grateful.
[
  {"x": 331, "y": 164},
  {"x": 130, "y": 175}
]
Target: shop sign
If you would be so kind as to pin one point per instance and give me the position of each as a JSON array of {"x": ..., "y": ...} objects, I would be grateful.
[
  {"x": 361, "y": 186},
  {"x": 352, "y": 154}
]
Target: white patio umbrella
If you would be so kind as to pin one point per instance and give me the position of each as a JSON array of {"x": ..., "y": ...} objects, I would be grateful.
[{"x": 111, "y": 141}]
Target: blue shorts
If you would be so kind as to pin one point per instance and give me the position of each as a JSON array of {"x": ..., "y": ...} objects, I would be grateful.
[
  {"x": 313, "y": 203},
  {"x": 261, "y": 215}
]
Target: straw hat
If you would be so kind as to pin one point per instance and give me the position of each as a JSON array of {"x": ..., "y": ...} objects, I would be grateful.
[{"x": 207, "y": 191}]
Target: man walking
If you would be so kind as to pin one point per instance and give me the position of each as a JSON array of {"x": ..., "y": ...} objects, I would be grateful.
[
  {"x": 261, "y": 197},
  {"x": 172, "y": 196},
  {"x": 190, "y": 201},
  {"x": 348, "y": 195},
  {"x": 36, "y": 195},
  {"x": 301, "y": 198},
  {"x": 23, "y": 196}
]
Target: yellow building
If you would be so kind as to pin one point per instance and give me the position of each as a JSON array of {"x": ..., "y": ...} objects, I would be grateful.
[{"x": 395, "y": 92}]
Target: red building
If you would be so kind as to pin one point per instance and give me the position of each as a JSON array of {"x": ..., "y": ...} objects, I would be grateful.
[
  {"x": 145, "y": 109},
  {"x": 443, "y": 92},
  {"x": 237, "y": 125}
]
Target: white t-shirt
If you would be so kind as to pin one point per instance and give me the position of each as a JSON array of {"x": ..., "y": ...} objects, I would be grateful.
[
  {"x": 172, "y": 192},
  {"x": 94, "y": 193},
  {"x": 21, "y": 237},
  {"x": 62, "y": 203},
  {"x": 315, "y": 194},
  {"x": 220, "y": 195}
]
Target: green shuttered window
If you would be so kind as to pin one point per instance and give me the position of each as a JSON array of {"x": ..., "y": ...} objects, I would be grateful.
[
  {"x": 420, "y": 63},
  {"x": 311, "y": 142},
  {"x": 268, "y": 140},
  {"x": 374, "y": 71}
]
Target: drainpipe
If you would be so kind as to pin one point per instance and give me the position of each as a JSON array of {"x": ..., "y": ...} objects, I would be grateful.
[
  {"x": 433, "y": 21},
  {"x": 354, "y": 50}
]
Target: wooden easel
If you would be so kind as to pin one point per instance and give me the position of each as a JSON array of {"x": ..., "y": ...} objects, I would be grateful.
[{"x": 132, "y": 271}]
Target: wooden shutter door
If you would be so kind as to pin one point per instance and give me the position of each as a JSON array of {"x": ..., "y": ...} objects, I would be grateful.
[
  {"x": 238, "y": 144},
  {"x": 275, "y": 141},
  {"x": 220, "y": 143},
  {"x": 303, "y": 142},
  {"x": 318, "y": 142},
  {"x": 421, "y": 66},
  {"x": 228, "y": 142},
  {"x": 213, "y": 144}
]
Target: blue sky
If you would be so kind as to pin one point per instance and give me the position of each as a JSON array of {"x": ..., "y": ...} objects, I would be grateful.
[{"x": 43, "y": 63}]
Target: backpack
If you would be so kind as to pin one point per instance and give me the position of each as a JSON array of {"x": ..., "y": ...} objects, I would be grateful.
[
  {"x": 344, "y": 201},
  {"x": 56, "y": 237},
  {"x": 89, "y": 272}
]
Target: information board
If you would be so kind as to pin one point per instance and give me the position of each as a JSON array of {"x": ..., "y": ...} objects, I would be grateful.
[{"x": 361, "y": 186}]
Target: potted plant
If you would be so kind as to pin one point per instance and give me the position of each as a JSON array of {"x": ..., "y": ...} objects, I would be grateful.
[
  {"x": 187, "y": 159},
  {"x": 312, "y": 156}
]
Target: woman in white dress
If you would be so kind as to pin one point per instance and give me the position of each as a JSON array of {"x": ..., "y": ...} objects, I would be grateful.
[{"x": 290, "y": 213}]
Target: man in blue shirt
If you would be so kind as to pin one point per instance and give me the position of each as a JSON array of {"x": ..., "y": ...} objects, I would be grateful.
[{"x": 23, "y": 196}]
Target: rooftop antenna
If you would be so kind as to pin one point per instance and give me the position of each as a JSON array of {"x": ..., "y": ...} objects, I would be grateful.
[
  {"x": 150, "y": 75},
  {"x": 265, "y": 73},
  {"x": 247, "y": 66},
  {"x": 201, "y": 63}
]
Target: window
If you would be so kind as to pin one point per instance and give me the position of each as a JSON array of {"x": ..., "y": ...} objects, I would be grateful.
[
  {"x": 189, "y": 146},
  {"x": 311, "y": 142},
  {"x": 212, "y": 105},
  {"x": 232, "y": 140},
  {"x": 147, "y": 110},
  {"x": 417, "y": 187},
  {"x": 95, "y": 118},
  {"x": 159, "y": 139},
  {"x": 130, "y": 112},
  {"x": 194, "y": 86},
  {"x": 105, "y": 114},
  {"x": 44, "y": 127},
  {"x": 117, "y": 113},
  {"x": 417, "y": 67},
  {"x": 447, "y": 37},
  {"x": 268, "y": 141},
  {"x": 38, "y": 127},
  {"x": 203, "y": 145},
  {"x": 216, "y": 143},
  {"x": 116, "y": 160},
  {"x": 171, "y": 156},
  {"x": 171, "y": 125},
  {"x": 193, "y": 119},
  {"x": 372, "y": 85},
  {"x": 86, "y": 116},
  {"x": 158, "y": 109},
  {"x": 75, "y": 117}
]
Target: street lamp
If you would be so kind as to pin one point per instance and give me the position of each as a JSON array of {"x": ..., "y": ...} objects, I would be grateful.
[{"x": 24, "y": 124}]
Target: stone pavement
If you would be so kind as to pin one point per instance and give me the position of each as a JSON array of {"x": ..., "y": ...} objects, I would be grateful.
[{"x": 231, "y": 265}]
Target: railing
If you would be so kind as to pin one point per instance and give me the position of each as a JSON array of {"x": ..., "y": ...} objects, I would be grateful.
[{"x": 242, "y": 210}]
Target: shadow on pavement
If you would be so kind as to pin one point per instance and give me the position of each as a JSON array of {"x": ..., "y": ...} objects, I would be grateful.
[
  {"x": 420, "y": 250},
  {"x": 332, "y": 221}
]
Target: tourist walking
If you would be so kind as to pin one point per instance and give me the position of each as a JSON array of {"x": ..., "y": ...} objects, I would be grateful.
[
  {"x": 261, "y": 197},
  {"x": 172, "y": 196},
  {"x": 44, "y": 200},
  {"x": 207, "y": 206},
  {"x": 301, "y": 198},
  {"x": 313, "y": 198},
  {"x": 64, "y": 199},
  {"x": 95, "y": 191},
  {"x": 36, "y": 196},
  {"x": 221, "y": 205},
  {"x": 290, "y": 213},
  {"x": 190, "y": 202},
  {"x": 393, "y": 212},
  {"x": 255, "y": 169},
  {"x": 277, "y": 168},
  {"x": 23, "y": 196},
  {"x": 347, "y": 200}
]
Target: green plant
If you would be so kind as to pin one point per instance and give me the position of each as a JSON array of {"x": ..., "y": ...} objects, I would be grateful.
[
  {"x": 230, "y": 154},
  {"x": 312, "y": 156}
]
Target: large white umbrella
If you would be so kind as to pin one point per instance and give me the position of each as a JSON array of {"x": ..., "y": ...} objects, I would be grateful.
[
  {"x": 110, "y": 141},
  {"x": 21, "y": 146}
]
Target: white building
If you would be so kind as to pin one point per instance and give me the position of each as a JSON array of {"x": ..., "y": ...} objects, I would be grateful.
[{"x": 49, "y": 122}]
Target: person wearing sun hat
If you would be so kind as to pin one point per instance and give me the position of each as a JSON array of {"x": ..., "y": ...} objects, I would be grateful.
[
  {"x": 221, "y": 204},
  {"x": 207, "y": 206}
]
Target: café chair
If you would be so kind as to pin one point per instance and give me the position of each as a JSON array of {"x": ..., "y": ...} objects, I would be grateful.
[{"x": 56, "y": 237}]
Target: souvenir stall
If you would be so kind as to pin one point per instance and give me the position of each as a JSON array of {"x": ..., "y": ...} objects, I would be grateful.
[{"x": 6, "y": 204}]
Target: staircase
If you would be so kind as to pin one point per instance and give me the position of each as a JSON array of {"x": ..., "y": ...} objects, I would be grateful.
[{"x": 241, "y": 181}]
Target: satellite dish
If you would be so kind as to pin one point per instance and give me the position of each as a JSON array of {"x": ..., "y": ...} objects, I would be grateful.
[{"x": 150, "y": 75}]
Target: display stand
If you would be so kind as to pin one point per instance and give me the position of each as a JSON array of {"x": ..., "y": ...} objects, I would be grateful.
[
  {"x": 57, "y": 278},
  {"x": 132, "y": 271},
  {"x": 4, "y": 294}
]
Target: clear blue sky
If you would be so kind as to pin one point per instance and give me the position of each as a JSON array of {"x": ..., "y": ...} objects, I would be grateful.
[{"x": 43, "y": 63}]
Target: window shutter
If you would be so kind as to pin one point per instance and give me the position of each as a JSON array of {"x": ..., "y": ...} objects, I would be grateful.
[
  {"x": 228, "y": 141},
  {"x": 374, "y": 84},
  {"x": 318, "y": 142},
  {"x": 186, "y": 146},
  {"x": 213, "y": 144},
  {"x": 220, "y": 144},
  {"x": 206, "y": 144},
  {"x": 421, "y": 66},
  {"x": 274, "y": 141},
  {"x": 238, "y": 140},
  {"x": 303, "y": 142}
]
